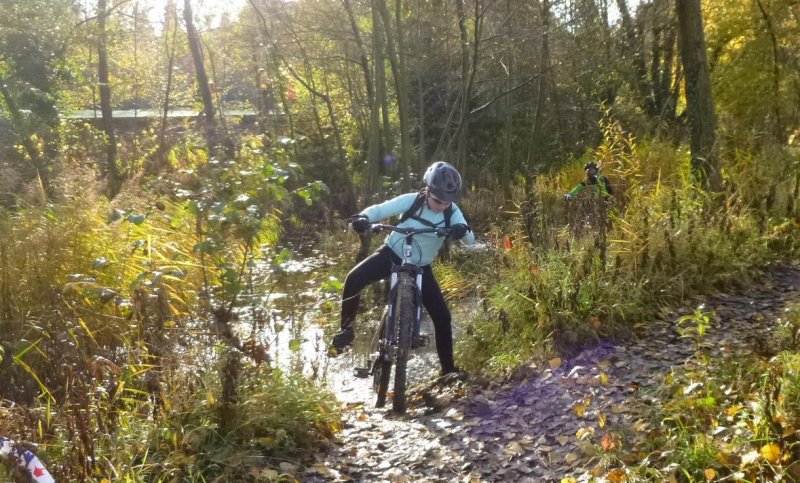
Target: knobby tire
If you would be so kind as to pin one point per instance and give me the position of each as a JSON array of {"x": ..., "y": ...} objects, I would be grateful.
[{"x": 405, "y": 326}]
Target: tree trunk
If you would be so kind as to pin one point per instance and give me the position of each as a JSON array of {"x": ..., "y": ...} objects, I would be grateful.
[
  {"x": 381, "y": 97},
  {"x": 463, "y": 124},
  {"x": 505, "y": 179},
  {"x": 396, "y": 63},
  {"x": 112, "y": 170},
  {"x": 633, "y": 44},
  {"x": 171, "y": 16},
  {"x": 200, "y": 74},
  {"x": 778, "y": 127},
  {"x": 699, "y": 100},
  {"x": 24, "y": 137},
  {"x": 534, "y": 150}
]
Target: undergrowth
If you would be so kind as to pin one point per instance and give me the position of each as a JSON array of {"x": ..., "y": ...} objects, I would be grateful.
[
  {"x": 122, "y": 354},
  {"x": 570, "y": 274}
]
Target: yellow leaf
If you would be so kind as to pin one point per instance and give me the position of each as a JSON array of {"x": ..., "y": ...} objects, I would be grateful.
[
  {"x": 601, "y": 420},
  {"x": 723, "y": 458},
  {"x": 210, "y": 398},
  {"x": 604, "y": 364},
  {"x": 710, "y": 474},
  {"x": 569, "y": 479},
  {"x": 584, "y": 433},
  {"x": 105, "y": 480},
  {"x": 555, "y": 362},
  {"x": 603, "y": 378},
  {"x": 579, "y": 409},
  {"x": 733, "y": 410},
  {"x": 771, "y": 452}
]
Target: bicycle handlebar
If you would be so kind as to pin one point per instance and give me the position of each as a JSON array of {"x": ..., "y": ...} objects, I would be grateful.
[{"x": 378, "y": 227}]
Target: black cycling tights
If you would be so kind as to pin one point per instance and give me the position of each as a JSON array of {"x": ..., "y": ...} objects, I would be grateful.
[{"x": 378, "y": 266}]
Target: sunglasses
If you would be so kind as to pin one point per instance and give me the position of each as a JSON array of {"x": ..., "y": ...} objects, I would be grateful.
[{"x": 438, "y": 201}]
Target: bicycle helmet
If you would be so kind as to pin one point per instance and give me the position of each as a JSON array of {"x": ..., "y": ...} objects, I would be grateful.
[{"x": 443, "y": 181}]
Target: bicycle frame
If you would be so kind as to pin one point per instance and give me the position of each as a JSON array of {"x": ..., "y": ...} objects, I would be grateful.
[{"x": 396, "y": 338}]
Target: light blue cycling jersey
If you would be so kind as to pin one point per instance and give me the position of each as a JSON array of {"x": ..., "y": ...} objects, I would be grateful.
[{"x": 426, "y": 245}]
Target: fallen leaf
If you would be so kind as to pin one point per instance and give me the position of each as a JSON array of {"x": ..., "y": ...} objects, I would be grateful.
[
  {"x": 514, "y": 449},
  {"x": 771, "y": 452},
  {"x": 710, "y": 474},
  {"x": 749, "y": 457},
  {"x": 584, "y": 433},
  {"x": 604, "y": 364},
  {"x": 569, "y": 479},
  {"x": 733, "y": 410},
  {"x": 507, "y": 242},
  {"x": 603, "y": 378},
  {"x": 571, "y": 458},
  {"x": 555, "y": 363},
  {"x": 617, "y": 475},
  {"x": 562, "y": 440},
  {"x": 608, "y": 442},
  {"x": 691, "y": 387}
]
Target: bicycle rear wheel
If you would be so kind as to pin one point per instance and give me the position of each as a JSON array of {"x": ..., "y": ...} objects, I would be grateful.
[
  {"x": 382, "y": 369},
  {"x": 405, "y": 327}
]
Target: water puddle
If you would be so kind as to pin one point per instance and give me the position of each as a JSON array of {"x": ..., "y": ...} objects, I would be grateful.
[{"x": 287, "y": 322}]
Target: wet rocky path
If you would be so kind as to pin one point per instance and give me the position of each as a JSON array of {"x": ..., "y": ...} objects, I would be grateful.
[{"x": 543, "y": 425}]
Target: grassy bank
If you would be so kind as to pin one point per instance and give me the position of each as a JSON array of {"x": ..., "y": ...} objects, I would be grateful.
[{"x": 563, "y": 278}]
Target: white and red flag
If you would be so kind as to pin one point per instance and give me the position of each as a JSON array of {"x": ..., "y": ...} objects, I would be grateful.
[{"x": 27, "y": 460}]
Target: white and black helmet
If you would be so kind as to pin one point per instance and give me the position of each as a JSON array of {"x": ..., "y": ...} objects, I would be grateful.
[{"x": 443, "y": 181}]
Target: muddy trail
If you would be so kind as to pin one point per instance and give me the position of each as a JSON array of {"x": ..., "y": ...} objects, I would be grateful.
[{"x": 541, "y": 425}]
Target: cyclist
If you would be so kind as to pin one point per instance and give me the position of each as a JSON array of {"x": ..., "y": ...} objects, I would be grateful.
[
  {"x": 433, "y": 206},
  {"x": 598, "y": 185}
]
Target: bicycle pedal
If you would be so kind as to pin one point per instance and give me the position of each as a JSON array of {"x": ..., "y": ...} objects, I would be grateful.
[{"x": 361, "y": 372}]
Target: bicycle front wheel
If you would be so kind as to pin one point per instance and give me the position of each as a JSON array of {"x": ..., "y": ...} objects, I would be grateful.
[{"x": 405, "y": 325}]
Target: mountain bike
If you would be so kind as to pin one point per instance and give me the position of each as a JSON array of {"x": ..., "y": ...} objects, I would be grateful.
[{"x": 399, "y": 331}]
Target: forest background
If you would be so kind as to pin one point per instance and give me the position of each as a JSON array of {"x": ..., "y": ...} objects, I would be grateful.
[{"x": 154, "y": 174}]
